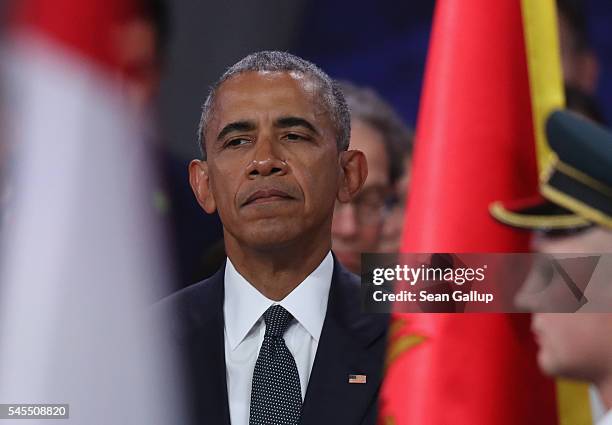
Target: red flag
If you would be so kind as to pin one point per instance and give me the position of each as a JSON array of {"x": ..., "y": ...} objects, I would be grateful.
[{"x": 474, "y": 145}]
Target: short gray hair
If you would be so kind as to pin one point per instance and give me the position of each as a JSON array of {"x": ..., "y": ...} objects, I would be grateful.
[
  {"x": 274, "y": 61},
  {"x": 367, "y": 106}
]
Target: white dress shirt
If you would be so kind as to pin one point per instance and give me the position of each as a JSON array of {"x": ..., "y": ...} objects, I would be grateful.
[
  {"x": 607, "y": 419},
  {"x": 243, "y": 309}
]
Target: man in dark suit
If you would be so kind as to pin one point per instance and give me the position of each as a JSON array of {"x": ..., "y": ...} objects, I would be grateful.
[{"x": 277, "y": 335}]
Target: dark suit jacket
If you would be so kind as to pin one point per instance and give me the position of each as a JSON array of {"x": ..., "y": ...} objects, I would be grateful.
[{"x": 350, "y": 343}]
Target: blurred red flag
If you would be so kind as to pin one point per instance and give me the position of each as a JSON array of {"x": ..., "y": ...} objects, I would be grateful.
[
  {"x": 87, "y": 28},
  {"x": 474, "y": 145}
]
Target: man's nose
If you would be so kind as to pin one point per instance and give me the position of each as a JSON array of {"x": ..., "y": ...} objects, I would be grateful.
[
  {"x": 266, "y": 160},
  {"x": 344, "y": 223}
]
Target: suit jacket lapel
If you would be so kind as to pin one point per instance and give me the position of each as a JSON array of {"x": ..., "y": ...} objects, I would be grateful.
[
  {"x": 205, "y": 351},
  {"x": 351, "y": 343}
]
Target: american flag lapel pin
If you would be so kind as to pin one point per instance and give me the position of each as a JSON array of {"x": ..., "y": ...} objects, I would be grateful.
[{"x": 357, "y": 379}]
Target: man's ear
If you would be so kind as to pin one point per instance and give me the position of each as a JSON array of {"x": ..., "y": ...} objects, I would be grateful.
[
  {"x": 354, "y": 172},
  {"x": 200, "y": 184}
]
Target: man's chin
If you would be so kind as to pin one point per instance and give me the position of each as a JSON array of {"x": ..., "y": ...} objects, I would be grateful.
[
  {"x": 272, "y": 237},
  {"x": 554, "y": 367},
  {"x": 546, "y": 363}
]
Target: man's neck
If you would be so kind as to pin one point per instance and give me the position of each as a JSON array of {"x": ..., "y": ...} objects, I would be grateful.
[{"x": 277, "y": 272}]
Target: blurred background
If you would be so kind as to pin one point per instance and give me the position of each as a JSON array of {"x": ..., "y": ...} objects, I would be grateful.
[
  {"x": 173, "y": 51},
  {"x": 147, "y": 85},
  {"x": 380, "y": 44}
]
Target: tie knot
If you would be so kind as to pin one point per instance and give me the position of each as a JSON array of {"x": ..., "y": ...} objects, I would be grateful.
[{"x": 277, "y": 319}]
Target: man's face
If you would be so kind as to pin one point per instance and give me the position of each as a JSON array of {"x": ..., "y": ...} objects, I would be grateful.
[
  {"x": 273, "y": 170},
  {"x": 357, "y": 226},
  {"x": 576, "y": 345}
]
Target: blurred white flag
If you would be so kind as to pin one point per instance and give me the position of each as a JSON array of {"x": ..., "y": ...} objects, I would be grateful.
[{"x": 81, "y": 259}]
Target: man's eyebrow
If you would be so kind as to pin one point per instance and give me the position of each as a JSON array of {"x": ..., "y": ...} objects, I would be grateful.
[
  {"x": 236, "y": 126},
  {"x": 286, "y": 122}
]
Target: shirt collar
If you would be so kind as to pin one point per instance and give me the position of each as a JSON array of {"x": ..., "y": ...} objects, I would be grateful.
[{"x": 243, "y": 305}]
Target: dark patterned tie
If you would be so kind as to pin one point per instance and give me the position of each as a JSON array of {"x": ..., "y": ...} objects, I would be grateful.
[{"x": 276, "y": 397}]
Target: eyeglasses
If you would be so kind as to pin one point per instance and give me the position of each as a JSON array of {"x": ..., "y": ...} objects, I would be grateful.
[{"x": 370, "y": 205}]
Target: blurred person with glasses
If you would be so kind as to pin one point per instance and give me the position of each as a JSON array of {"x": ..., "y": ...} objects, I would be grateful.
[{"x": 377, "y": 131}]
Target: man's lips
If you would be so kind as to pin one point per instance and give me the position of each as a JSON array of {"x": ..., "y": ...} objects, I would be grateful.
[{"x": 266, "y": 195}]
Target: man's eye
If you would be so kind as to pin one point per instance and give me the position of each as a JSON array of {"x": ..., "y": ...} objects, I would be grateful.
[
  {"x": 237, "y": 142},
  {"x": 294, "y": 137}
]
